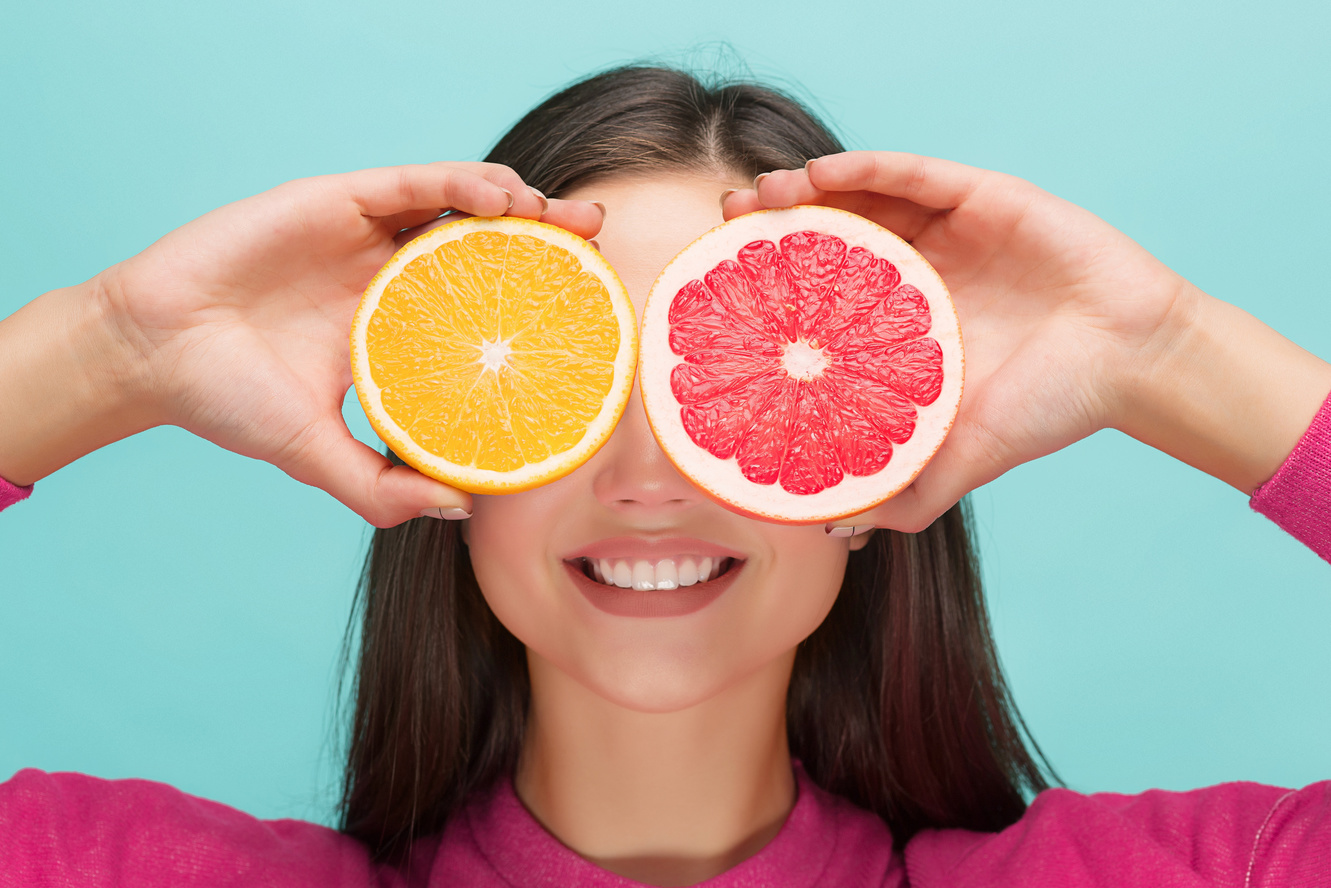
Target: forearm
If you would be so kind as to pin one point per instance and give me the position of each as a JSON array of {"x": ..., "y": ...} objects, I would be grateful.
[
  {"x": 67, "y": 385},
  {"x": 1223, "y": 392}
]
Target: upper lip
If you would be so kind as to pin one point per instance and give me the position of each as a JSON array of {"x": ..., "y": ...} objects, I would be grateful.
[{"x": 653, "y": 549}]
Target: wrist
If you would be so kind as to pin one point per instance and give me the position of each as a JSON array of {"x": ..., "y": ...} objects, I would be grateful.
[
  {"x": 123, "y": 372},
  {"x": 1221, "y": 391},
  {"x": 69, "y": 381}
]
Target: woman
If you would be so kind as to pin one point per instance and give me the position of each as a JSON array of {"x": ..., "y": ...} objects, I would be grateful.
[{"x": 836, "y": 716}]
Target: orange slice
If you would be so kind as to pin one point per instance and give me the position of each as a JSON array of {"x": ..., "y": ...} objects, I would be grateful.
[{"x": 495, "y": 354}]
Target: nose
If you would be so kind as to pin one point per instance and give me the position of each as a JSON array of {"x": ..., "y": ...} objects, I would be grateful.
[{"x": 632, "y": 475}]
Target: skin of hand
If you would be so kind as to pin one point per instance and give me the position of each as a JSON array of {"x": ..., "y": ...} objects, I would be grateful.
[
  {"x": 234, "y": 327},
  {"x": 1069, "y": 327}
]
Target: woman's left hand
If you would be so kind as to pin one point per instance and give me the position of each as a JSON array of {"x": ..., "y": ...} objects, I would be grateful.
[{"x": 1069, "y": 327}]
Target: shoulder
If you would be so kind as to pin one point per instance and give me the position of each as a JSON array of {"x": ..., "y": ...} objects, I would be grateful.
[
  {"x": 76, "y": 829},
  {"x": 832, "y": 817},
  {"x": 835, "y": 841},
  {"x": 1217, "y": 835}
]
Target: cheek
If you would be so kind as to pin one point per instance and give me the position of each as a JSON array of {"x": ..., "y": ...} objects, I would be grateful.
[
  {"x": 505, "y": 537},
  {"x": 800, "y": 586}
]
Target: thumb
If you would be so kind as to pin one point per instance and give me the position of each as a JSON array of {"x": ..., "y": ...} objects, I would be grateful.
[
  {"x": 962, "y": 463},
  {"x": 370, "y": 484}
]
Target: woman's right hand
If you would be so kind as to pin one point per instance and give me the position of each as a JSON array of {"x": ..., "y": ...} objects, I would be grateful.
[
  {"x": 235, "y": 328},
  {"x": 1069, "y": 327}
]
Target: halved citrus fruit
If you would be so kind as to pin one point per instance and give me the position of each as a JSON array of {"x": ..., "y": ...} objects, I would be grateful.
[
  {"x": 800, "y": 365},
  {"x": 494, "y": 354}
]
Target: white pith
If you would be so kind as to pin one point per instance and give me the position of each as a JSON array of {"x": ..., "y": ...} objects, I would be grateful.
[
  {"x": 803, "y": 360},
  {"x": 723, "y": 479},
  {"x": 662, "y": 574},
  {"x": 494, "y": 355}
]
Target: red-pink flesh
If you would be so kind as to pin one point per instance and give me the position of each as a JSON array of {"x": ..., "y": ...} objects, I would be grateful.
[{"x": 736, "y": 397}]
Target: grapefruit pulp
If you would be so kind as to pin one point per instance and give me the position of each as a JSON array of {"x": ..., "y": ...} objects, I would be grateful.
[{"x": 800, "y": 365}]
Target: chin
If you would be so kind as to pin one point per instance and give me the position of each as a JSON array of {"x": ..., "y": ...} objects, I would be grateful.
[
  {"x": 641, "y": 679},
  {"x": 657, "y": 691}
]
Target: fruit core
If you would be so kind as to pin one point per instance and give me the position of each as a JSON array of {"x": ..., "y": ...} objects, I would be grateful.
[
  {"x": 803, "y": 360},
  {"x": 494, "y": 355}
]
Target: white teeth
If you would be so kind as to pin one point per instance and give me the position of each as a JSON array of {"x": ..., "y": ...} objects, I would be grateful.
[
  {"x": 667, "y": 577},
  {"x": 644, "y": 576},
  {"x": 623, "y": 574}
]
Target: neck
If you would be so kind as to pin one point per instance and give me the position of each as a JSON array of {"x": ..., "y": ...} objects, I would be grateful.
[{"x": 663, "y": 798}]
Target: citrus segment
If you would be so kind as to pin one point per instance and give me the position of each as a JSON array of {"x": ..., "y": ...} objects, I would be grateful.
[
  {"x": 800, "y": 364},
  {"x": 494, "y": 354}
]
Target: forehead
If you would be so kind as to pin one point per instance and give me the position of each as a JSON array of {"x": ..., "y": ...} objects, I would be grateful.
[{"x": 649, "y": 218}]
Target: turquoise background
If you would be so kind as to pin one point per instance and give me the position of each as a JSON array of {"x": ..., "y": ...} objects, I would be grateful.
[{"x": 172, "y": 611}]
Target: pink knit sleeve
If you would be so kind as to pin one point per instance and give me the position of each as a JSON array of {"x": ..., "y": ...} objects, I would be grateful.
[
  {"x": 70, "y": 829},
  {"x": 9, "y": 494},
  {"x": 1236, "y": 834},
  {"x": 1298, "y": 496}
]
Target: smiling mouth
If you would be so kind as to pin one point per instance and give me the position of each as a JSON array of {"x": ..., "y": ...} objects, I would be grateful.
[{"x": 661, "y": 575}]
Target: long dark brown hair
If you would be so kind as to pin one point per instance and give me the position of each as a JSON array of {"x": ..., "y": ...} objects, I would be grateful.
[{"x": 897, "y": 701}]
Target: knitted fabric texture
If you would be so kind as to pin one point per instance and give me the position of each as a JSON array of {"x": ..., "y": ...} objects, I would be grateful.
[
  {"x": 1298, "y": 496},
  {"x": 10, "y": 494}
]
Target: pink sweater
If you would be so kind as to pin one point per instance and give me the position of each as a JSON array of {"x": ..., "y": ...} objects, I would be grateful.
[{"x": 70, "y": 829}]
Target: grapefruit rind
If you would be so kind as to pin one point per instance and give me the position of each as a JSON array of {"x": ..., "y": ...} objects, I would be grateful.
[
  {"x": 469, "y": 478},
  {"x": 722, "y": 480}
]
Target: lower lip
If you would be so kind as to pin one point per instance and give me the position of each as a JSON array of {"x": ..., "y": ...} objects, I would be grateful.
[{"x": 653, "y": 603}]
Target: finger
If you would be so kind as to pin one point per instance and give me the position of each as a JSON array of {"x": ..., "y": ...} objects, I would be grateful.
[
  {"x": 738, "y": 202},
  {"x": 966, "y": 460},
  {"x": 528, "y": 202},
  {"x": 928, "y": 181},
  {"x": 582, "y": 217},
  {"x": 389, "y": 191},
  {"x": 898, "y": 215},
  {"x": 903, "y": 217},
  {"x": 402, "y": 238},
  {"x": 368, "y": 483},
  {"x": 786, "y": 188},
  {"x": 412, "y": 218}
]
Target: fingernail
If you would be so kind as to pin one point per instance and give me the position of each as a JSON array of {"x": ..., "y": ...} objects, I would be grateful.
[
  {"x": 847, "y": 530},
  {"x": 545, "y": 203},
  {"x": 510, "y": 199},
  {"x": 758, "y": 178},
  {"x": 725, "y": 194},
  {"x": 600, "y": 206},
  {"x": 447, "y": 514},
  {"x": 808, "y": 164}
]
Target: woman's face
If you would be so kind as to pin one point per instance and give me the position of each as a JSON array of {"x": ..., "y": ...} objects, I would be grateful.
[{"x": 627, "y": 508}]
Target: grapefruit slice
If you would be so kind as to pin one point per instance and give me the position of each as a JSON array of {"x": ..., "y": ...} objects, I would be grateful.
[
  {"x": 800, "y": 365},
  {"x": 494, "y": 354}
]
